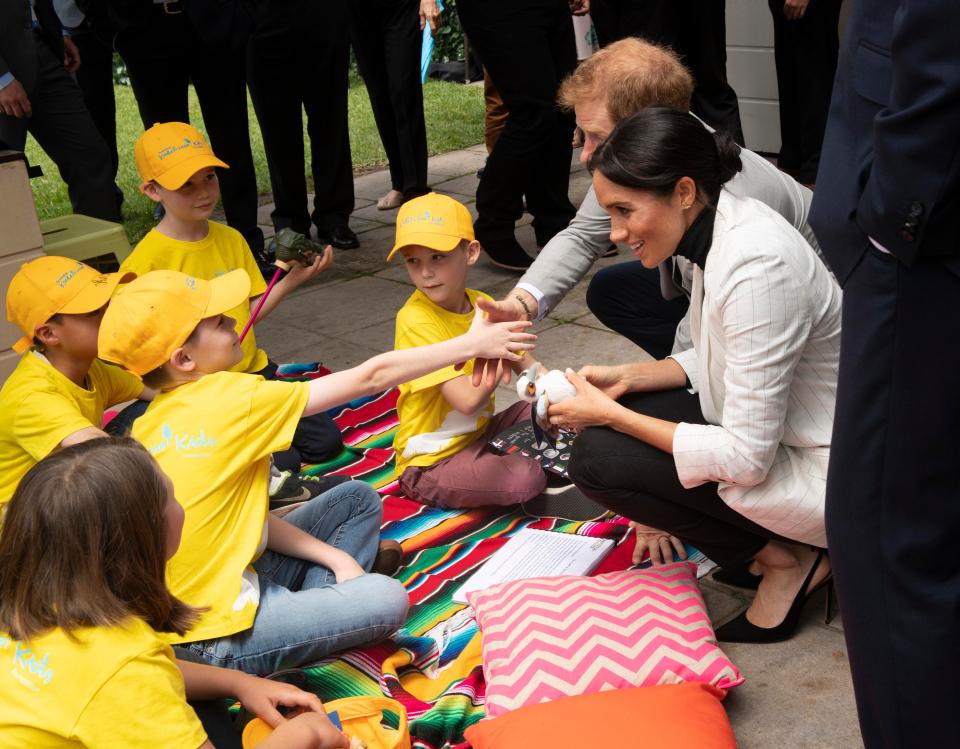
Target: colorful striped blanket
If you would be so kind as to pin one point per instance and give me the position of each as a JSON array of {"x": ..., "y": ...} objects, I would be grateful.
[{"x": 433, "y": 665}]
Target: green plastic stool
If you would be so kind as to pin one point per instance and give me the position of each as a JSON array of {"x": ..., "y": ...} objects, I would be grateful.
[{"x": 100, "y": 244}]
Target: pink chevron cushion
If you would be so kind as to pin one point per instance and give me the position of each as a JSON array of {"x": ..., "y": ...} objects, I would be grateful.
[{"x": 555, "y": 637}]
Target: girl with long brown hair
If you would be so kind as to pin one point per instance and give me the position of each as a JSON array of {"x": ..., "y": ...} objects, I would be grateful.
[{"x": 83, "y": 551}]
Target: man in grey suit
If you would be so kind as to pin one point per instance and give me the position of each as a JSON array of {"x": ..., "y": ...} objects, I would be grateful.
[
  {"x": 887, "y": 213},
  {"x": 644, "y": 305},
  {"x": 39, "y": 95}
]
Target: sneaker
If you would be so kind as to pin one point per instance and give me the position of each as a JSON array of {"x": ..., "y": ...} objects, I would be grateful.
[
  {"x": 287, "y": 487},
  {"x": 507, "y": 253},
  {"x": 389, "y": 554}
]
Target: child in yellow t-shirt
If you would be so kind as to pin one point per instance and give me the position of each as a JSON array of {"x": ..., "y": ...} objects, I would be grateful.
[
  {"x": 279, "y": 591},
  {"x": 445, "y": 421},
  {"x": 177, "y": 168},
  {"x": 82, "y": 599},
  {"x": 57, "y": 394}
]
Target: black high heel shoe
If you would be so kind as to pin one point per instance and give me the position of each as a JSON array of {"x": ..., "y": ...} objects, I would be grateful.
[{"x": 741, "y": 629}]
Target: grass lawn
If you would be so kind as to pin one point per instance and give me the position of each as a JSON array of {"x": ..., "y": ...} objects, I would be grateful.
[{"x": 454, "y": 115}]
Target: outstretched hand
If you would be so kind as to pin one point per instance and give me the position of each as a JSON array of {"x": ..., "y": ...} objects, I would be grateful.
[
  {"x": 496, "y": 341},
  {"x": 607, "y": 379},
  {"x": 300, "y": 273},
  {"x": 487, "y": 369}
]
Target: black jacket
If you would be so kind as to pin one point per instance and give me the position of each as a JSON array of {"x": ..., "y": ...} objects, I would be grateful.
[
  {"x": 17, "y": 39},
  {"x": 890, "y": 166}
]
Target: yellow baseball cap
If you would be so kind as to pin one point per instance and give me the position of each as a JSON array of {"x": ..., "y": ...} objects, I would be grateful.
[
  {"x": 50, "y": 285},
  {"x": 152, "y": 316},
  {"x": 170, "y": 153},
  {"x": 432, "y": 220}
]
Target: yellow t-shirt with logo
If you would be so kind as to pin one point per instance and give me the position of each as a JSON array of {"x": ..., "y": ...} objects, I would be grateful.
[
  {"x": 430, "y": 428},
  {"x": 213, "y": 438},
  {"x": 223, "y": 249},
  {"x": 113, "y": 688},
  {"x": 41, "y": 407}
]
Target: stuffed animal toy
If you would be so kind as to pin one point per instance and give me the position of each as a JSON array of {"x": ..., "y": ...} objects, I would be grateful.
[{"x": 541, "y": 388}]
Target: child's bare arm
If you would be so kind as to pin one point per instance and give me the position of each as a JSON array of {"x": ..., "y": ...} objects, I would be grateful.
[
  {"x": 82, "y": 435},
  {"x": 285, "y": 538},
  {"x": 390, "y": 369},
  {"x": 464, "y": 396}
]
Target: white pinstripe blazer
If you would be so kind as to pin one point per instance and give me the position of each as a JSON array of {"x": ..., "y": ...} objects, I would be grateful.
[{"x": 765, "y": 327}]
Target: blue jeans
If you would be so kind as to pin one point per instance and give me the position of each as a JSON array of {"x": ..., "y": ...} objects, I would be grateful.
[{"x": 304, "y": 614}]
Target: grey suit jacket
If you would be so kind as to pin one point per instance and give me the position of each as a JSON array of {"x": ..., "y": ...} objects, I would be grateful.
[{"x": 18, "y": 40}]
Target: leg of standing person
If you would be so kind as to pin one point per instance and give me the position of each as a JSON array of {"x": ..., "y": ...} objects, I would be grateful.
[
  {"x": 95, "y": 78},
  {"x": 62, "y": 126},
  {"x": 892, "y": 512},
  {"x": 219, "y": 77},
  {"x": 785, "y": 52},
  {"x": 702, "y": 29},
  {"x": 275, "y": 88},
  {"x": 815, "y": 64},
  {"x": 626, "y": 298},
  {"x": 325, "y": 82},
  {"x": 304, "y": 614},
  {"x": 494, "y": 113},
  {"x": 526, "y": 54},
  {"x": 478, "y": 475},
  {"x": 386, "y": 42}
]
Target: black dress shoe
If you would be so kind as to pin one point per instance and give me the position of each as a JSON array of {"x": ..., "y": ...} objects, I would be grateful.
[
  {"x": 741, "y": 629},
  {"x": 738, "y": 577},
  {"x": 507, "y": 253},
  {"x": 341, "y": 237}
]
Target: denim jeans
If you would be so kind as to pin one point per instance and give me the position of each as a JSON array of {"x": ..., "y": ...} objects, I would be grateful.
[{"x": 304, "y": 614}]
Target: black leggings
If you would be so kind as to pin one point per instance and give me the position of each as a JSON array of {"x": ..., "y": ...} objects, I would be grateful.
[{"x": 640, "y": 482}]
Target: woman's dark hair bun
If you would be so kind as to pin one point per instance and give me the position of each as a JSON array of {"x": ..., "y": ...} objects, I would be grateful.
[
  {"x": 728, "y": 156},
  {"x": 656, "y": 147}
]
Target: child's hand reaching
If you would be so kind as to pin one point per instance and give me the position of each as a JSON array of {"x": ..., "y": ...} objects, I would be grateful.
[
  {"x": 500, "y": 340},
  {"x": 300, "y": 273}
]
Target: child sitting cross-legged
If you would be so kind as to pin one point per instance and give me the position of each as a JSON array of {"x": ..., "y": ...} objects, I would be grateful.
[
  {"x": 57, "y": 394},
  {"x": 83, "y": 602},
  {"x": 445, "y": 421},
  {"x": 280, "y": 591}
]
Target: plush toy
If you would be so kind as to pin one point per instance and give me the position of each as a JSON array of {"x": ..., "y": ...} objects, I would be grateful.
[{"x": 542, "y": 388}]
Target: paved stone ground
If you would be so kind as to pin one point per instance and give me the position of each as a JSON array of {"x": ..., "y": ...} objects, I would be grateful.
[{"x": 797, "y": 694}]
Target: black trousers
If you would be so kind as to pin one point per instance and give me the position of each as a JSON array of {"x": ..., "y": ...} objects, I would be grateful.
[
  {"x": 806, "y": 57},
  {"x": 386, "y": 40},
  {"x": 696, "y": 30},
  {"x": 893, "y": 499},
  {"x": 640, "y": 482},
  {"x": 62, "y": 126},
  {"x": 299, "y": 57},
  {"x": 95, "y": 77},
  {"x": 627, "y": 299},
  {"x": 527, "y": 48},
  {"x": 162, "y": 60}
]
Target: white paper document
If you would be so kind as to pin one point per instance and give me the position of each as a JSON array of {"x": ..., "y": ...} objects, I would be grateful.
[{"x": 535, "y": 553}]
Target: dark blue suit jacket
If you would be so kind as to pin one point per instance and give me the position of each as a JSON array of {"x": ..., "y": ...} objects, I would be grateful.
[{"x": 890, "y": 166}]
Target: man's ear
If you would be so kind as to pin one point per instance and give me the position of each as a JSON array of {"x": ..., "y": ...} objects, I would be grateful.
[
  {"x": 181, "y": 361},
  {"x": 151, "y": 190},
  {"x": 473, "y": 252}
]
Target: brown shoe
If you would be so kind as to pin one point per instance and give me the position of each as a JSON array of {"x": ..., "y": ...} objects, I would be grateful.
[{"x": 388, "y": 557}]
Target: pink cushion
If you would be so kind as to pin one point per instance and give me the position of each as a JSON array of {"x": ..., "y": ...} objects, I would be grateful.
[{"x": 555, "y": 637}]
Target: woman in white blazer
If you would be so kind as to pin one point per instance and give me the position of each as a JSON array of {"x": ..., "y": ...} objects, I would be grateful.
[{"x": 725, "y": 444}]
